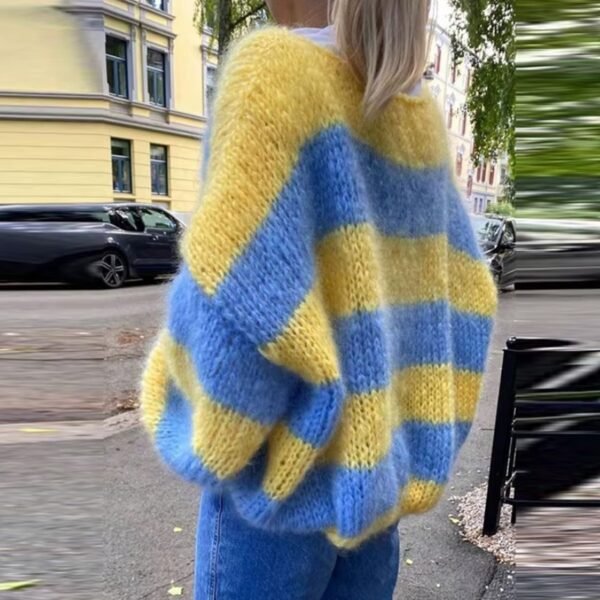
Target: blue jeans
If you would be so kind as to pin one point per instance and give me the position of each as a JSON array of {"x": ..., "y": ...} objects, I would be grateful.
[{"x": 236, "y": 561}]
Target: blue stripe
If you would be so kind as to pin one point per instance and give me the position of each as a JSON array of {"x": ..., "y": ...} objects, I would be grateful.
[
  {"x": 276, "y": 270},
  {"x": 174, "y": 441},
  {"x": 417, "y": 334},
  {"x": 228, "y": 365},
  {"x": 399, "y": 200},
  {"x": 314, "y": 412},
  {"x": 471, "y": 335},
  {"x": 363, "y": 351},
  {"x": 460, "y": 230}
]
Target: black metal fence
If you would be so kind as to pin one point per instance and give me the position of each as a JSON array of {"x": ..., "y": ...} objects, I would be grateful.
[{"x": 547, "y": 432}]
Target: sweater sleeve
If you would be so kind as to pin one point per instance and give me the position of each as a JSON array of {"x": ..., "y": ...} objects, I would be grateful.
[{"x": 246, "y": 330}]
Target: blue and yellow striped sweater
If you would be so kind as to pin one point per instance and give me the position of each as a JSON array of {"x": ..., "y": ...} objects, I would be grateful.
[{"x": 326, "y": 336}]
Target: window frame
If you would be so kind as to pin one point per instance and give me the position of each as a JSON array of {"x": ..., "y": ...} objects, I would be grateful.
[
  {"x": 115, "y": 62},
  {"x": 459, "y": 164},
  {"x": 163, "y": 8},
  {"x": 209, "y": 96},
  {"x": 492, "y": 175},
  {"x": 450, "y": 121},
  {"x": 163, "y": 213},
  {"x": 157, "y": 72},
  {"x": 438, "y": 58},
  {"x": 120, "y": 160},
  {"x": 159, "y": 162}
]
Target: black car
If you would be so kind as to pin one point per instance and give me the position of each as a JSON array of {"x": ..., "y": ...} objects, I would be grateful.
[
  {"x": 107, "y": 244},
  {"x": 497, "y": 237},
  {"x": 558, "y": 251}
]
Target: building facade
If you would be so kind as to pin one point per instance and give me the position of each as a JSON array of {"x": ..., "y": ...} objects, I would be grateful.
[
  {"x": 449, "y": 83},
  {"x": 102, "y": 100},
  {"x": 107, "y": 100}
]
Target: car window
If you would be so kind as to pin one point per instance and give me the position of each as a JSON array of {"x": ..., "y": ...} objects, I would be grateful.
[
  {"x": 157, "y": 219},
  {"x": 124, "y": 219},
  {"x": 57, "y": 216},
  {"x": 487, "y": 230}
]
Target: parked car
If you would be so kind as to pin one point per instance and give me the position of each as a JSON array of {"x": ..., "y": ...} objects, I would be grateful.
[
  {"x": 558, "y": 250},
  {"x": 498, "y": 240},
  {"x": 106, "y": 244}
]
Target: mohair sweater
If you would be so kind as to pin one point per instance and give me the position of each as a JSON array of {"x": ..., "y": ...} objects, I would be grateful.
[{"x": 326, "y": 337}]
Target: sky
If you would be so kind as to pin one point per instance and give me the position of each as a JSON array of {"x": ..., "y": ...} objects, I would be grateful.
[{"x": 443, "y": 13}]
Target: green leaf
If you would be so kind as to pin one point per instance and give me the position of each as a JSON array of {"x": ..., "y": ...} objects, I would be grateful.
[{"x": 9, "y": 586}]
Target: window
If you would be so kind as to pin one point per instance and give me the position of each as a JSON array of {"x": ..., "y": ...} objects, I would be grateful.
[
  {"x": 116, "y": 66},
  {"x": 478, "y": 178},
  {"x": 156, "y": 77},
  {"x": 210, "y": 86},
  {"x": 157, "y": 219},
  {"x": 454, "y": 72},
  {"x": 124, "y": 218},
  {"x": 459, "y": 163},
  {"x": 484, "y": 172},
  {"x": 450, "y": 117},
  {"x": 159, "y": 170},
  {"x": 463, "y": 127},
  {"x": 492, "y": 174},
  {"x": 158, "y": 4},
  {"x": 438, "y": 58},
  {"x": 121, "y": 165}
]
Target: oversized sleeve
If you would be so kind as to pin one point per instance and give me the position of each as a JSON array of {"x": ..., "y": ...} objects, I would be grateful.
[{"x": 246, "y": 334}]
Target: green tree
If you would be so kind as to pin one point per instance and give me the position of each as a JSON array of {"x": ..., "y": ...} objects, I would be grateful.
[
  {"x": 483, "y": 33},
  {"x": 228, "y": 18}
]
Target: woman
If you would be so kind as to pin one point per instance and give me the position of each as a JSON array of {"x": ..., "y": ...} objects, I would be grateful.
[{"x": 326, "y": 336}]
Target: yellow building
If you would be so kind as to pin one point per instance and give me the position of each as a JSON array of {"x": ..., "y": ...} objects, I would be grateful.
[
  {"x": 102, "y": 100},
  {"x": 450, "y": 83}
]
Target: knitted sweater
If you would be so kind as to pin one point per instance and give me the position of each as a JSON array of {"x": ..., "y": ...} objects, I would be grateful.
[{"x": 327, "y": 333}]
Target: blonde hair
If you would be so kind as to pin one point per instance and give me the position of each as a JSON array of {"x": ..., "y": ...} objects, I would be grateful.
[{"x": 387, "y": 44}]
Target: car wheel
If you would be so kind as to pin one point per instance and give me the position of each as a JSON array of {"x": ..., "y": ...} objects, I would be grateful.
[{"x": 111, "y": 269}]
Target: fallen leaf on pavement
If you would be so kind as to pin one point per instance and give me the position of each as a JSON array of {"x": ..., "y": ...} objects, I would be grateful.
[
  {"x": 455, "y": 520},
  {"x": 177, "y": 529},
  {"x": 409, "y": 561},
  {"x": 8, "y": 586},
  {"x": 175, "y": 591},
  {"x": 36, "y": 430}
]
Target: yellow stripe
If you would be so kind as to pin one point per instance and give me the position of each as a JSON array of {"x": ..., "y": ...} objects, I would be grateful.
[
  {"x": 224, "y": 439},
  {"x": 424, "y": 393},
  {"x": 257, "y": 139},
  {"x": 364, "y": 435},
  {"x": 349, "y": 285},
  {"x": 306, "y": 346},
  {"x": 155, "y": 380},
  {"x": 467, "y": 387},
  {"x": 472, "y": 288},
  {"x": 288, "y": 460},
  {"x": 360, "y": 270},
  {"x": 417, "y": 496}
]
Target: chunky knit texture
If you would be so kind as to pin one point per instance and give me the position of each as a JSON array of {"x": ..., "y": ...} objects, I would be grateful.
[{"x": 327, "y": 334}]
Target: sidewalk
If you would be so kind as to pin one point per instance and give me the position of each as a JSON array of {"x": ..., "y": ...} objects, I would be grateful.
[{"x": 90, "y": 508}]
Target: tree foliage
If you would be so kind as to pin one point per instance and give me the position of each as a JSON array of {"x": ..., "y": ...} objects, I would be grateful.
[
  {"x": 228, "y": 18},
  {"x": 483, "y": 32}
]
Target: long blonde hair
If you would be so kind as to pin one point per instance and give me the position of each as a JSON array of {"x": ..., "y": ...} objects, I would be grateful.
[{"x": 387, "y": 44}]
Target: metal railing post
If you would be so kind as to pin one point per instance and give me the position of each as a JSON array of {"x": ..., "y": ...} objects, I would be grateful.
[{"x": 502, "y": 441}]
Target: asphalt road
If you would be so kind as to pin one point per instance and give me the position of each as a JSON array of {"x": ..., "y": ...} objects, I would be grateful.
[{"x": 74, "y": 507}]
